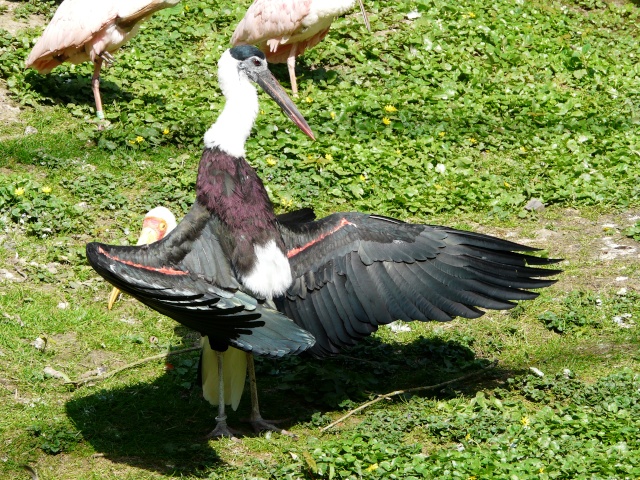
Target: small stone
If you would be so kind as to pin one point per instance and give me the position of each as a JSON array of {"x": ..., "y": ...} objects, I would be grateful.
[
  {"x": 621, "y": 279},
  {"x": 30, "y": 130},
  {"x": 51, "y": 372},
  {"x": 398, "y": 326},
  {"x": 39, "y": 343},
  {"x": 621, "y": 320},
  {"x": 567, "y": 373},
  {"x": 537, "y": 372},
  {"x": 534, "y": 204},
  {"x": 622, "y": 292},
  {"x": 63, "y": 305},
  {"x": 414, "y": 14}
]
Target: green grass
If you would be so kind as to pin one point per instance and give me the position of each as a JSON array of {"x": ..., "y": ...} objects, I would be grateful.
[{"x": 488, "y": 106}]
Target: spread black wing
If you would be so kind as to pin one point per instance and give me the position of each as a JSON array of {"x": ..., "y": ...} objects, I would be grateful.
[
  {"x": 187, "y": 276},
  {"x": 353, "y": 272}
]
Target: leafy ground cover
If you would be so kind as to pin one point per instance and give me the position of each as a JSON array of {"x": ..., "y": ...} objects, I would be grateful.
[{"x": 456, "y": 114}]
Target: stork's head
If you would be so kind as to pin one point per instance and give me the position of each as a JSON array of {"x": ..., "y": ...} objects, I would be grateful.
[
  {"x": 157, "y": 223},
  {"x": 245, "y": 62}
]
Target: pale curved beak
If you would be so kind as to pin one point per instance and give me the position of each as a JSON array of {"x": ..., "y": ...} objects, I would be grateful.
[
  {"x": 148, "y": 235},
  {"x": 364, "y": 16},
  {"x": 113, "y": 297}
]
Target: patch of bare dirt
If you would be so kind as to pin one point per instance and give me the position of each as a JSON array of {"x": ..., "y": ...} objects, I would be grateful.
[
  {"x": 605, "y": 257},
  {"x": 9, "y": 23},
  {"x": 9, "y": 110}
]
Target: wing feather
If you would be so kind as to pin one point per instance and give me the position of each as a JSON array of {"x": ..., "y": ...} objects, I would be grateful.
[
  {"x": 354, "y": 272},
  {"x": 184, "y": 277}
]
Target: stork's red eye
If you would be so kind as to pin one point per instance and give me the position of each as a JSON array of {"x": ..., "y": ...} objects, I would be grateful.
[{"x": 256, "y": 62}]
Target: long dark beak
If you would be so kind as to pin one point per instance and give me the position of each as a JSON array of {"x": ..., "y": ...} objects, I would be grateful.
[
  {"x": 270, "y": 85},
  {"x": 364, "y": 15}
]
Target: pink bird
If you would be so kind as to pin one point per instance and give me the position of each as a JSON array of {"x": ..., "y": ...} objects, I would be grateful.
[
  {"x": 83, "y": 30},
  {"x": 284, "y": 29}
]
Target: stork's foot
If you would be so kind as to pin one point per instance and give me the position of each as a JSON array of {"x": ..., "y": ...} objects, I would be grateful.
[
  {"x": 261, "y": 425},
  {"x": 223, "y": 430},
  {"x": 107, "y": 57}
]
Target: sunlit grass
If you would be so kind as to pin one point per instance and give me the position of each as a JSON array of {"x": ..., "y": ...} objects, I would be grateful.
[{"x": 456, "y": 114}]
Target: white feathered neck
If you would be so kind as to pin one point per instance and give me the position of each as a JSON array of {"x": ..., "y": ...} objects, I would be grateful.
[{"x": 232, "y": 128}]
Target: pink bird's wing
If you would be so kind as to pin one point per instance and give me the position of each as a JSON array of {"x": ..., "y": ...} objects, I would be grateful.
[
  {"x": 270, "y": 19},
  {"x": 80, "y": 27}
]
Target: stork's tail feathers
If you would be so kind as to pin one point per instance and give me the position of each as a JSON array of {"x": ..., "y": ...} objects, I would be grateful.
[{"x": 234, "y": 373}]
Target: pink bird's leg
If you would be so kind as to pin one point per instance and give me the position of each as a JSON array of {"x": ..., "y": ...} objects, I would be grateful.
[
  {"x": 291, "y": 64},
  {"x": 257, "y": 422},
  {"x": 95, "y": 86}
]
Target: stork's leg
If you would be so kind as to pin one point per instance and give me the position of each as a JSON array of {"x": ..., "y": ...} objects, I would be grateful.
[
  {"x": 221, "y": 430},
  {"x": 291, "y": 64},
  {"x": 95, "y": 86},
  {"x": 257, "y": 422}
]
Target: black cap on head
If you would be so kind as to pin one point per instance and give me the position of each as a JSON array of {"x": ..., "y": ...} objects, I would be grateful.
[{"x": 242, "y": 52}]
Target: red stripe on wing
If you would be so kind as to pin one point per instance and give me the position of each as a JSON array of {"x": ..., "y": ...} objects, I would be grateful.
[
  {"x": 163, "y": 270},
  {"x": 343, "y": 223}
]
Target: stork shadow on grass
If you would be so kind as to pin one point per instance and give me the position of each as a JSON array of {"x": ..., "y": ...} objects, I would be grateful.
[
  {"x": 75, "y": 87},
  {"x": 162, "y": 425}
]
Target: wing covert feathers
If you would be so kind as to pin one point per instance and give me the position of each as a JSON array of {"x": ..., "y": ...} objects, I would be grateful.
[
  {"x": 354, "y": 272},
  {"x": 186, "y": 276}
]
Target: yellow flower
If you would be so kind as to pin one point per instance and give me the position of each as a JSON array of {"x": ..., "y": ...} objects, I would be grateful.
[
  {"x": 46, "y": 189},
  {"x": 139, "y": 139},
  {"x": 271, "y": 161},
  {"x": 467, "y": 437},
  {"x": 398, "y": 152},
  {"x": 165, "y": 131},
  {"x": 132, "y": 142},
  {"x": 525, "y": 421},
  {"x": 472, "y": 15},
  {"x": 309, "y": 100},
  {"x": 472, "y": 141},
  {"x": 186, "y": 7},
  {"x": 372, "y": 467},
  {"x": 386, "y": 121},
  {"x": 507, "y": 184},
  {"x": 328, "y": 156},
  {"x": 522, "y": 149},
  {"x": 541, "y": 470},
  {"x": 390, "y": 109},
  {"x": 18, "y": 192},
  {"x": 363, "y": 177},
  {"x": 472, "y": 477},
  {"x": 261, "y": 112},
  {"x": 442, "y": 134},
  {"x": 333, "y": 115}
]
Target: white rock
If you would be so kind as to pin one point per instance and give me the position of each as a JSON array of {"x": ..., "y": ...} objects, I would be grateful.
[
  {"x": 413, "y": 15},
  {"x": 537, "y": 372},
  {"x": 63, "y": 305},
  {"x": 397, "y": 326},
  {"x": 39, "y": 343},
  {"x": 534, "y": 204},
  {"x": 620, "y": 320}
]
